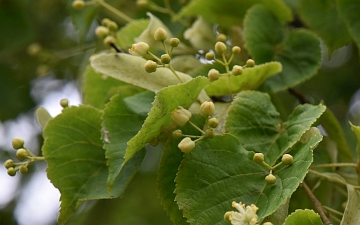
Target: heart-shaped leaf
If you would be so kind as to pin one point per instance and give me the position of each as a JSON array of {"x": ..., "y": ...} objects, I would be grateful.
[
  {"x": 76, "y": 159},
  {"x": 298, "y": 52},
  {"x": 300, "y": 217},
  {"x": 219, "y": 171},
  {"x": 254, "y": 120}
]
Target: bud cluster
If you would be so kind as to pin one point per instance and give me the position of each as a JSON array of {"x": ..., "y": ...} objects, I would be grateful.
[
  {"x": 23, "y": 154},
  {"x": 143, "y": 49},
  {"x": 106, "y": 32},
  {"x": 182, "y": 116},
  {"x": 259, "y": 158}
]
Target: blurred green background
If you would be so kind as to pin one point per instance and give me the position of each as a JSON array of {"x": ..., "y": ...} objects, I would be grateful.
[{"x": 41, "y": 53}]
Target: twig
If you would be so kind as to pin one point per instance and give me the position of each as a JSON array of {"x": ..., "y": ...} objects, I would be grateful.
[
  {"x": 317, "y": 204},
  {"x": 302, "y": 99}
]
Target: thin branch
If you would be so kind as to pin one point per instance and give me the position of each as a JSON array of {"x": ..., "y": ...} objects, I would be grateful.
[{"x": 316, "y": 203}]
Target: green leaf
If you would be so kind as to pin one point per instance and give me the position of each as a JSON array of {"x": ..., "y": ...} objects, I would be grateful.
[
  {"x": 126, "y": 35},
  {"x": 96, "y": 87},
  {"x": 254, "y": 120},
  {"x": 82, "y": 19},
  {"x": 349, "y": 10},
  {"x": 323, "y": 18},
  {"x": 230, "y": 12},
  {"x": 140, "y": 103},
  {"x": 356, "y": 130},
  {"x": 168, "y": 168},
  {"x": 130, "y": 69},
  {"x": 250, "y": 79},
  {"x": 76, "y": 159},
  {"x": 120, "y": 124},
  {"x": 219, "y": 171},
  {"x": 42, "y": 116},
  {"x": 334, "y": 131},
  {"x": 299, "y": 54},
  {"x": 352, "y": 209},
  {"x": 300, "y": 217},
  {"x": 166, "y": 100}
]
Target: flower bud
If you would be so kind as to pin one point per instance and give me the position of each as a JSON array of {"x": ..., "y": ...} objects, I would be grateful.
[
  {"x": 105, "y": 22},
  {"x": 17, "y": 143},
  {"x": 154, "y": 142},
  {"x": 112, "y": 26},
  {"x": 221, "y": 37},
  {"x": 78, "y": 4},
  {"x": 207, "y": 108},
  {"x": 237, "y": 70},
  {"x": 267, "y": 223},
  {"x": 150, "y": 66},
  {"x": 250, "y": 63},
  {"x": 258, "y": 158},
  {"x": 140, "y": 48},
  {"x": 11, "y": 171},
  {"x": 287, "y": 159},
  {"x": 108, "y": 40},
  {"x": 174, "y": 42},
  {"x": 213, "y": 74},
  {"x": 22, "y": 154},
  {"x": 186, "y": 145},
  {"x": 160, "y": 34},
  {"x": 102, "y": 32},
  {"x": 213, "y": 122},
  {"x": 64, "y": 103},
  {"x": 270, "y": 179},
  {"x": 142, "y": 3},
  {"x": 181, "y": 116},
  {"x": 209, "y": 56},
  {"x": 23, "y": 169},
  {"x": 220, "y": 48},
  {"x": 33, "y": 49},
  {"x": 209, "y": 133},
  {"x": 236, "y": 49},
  {"x": 165, "y": 58},
  {"x": 9, "y": 163},
  {"x": 177, "y": 134}
]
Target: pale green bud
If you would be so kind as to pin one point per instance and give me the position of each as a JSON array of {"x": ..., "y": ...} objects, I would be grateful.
[
  {"x": 213, "y": 122},
  {"x": 236, "y": 49},
  {"x": 17, "y": 143},
  {"x": 186, "y": 145},
  {"x": 177, "y": 134},
  {"x": 78, "y": 4},
  {"x": 181, "y": 116},
  {"x": 213, "y": 74},
  {"x": 160, "y": 34},
  {"x": 108, "y": 40},
  {"x": 165, "y": 58},
  {"x": 270, "y": 179},
  {"x": 250, "y": 63},
  {"x": 174, "y": 42},
  {"x": 220, "y": 48},
  {"x": 207, "y": 108},
  {"x": 102, "y": 32},
  {"x": 258, "y": 157},
  {"x": 287, "y": 159},
  {"x": 150, "y": 66},
  {"x": 237, "y": 70},
  {"x": 140, "y": 48},
  {"x": 9, "y": 163},
  {"x": 221, "y": 37},
  {"x": 64, "y": 103},
  {"x": 209, "y": 56}
]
